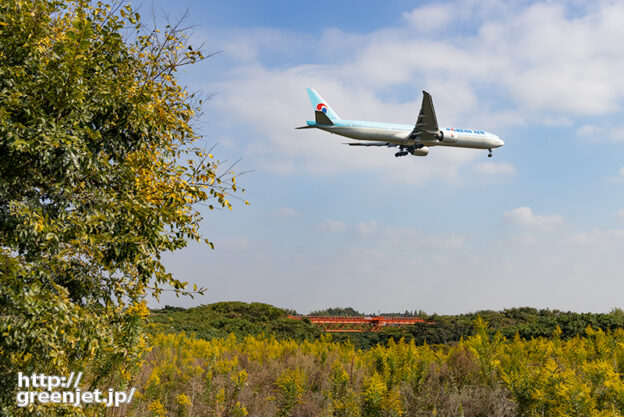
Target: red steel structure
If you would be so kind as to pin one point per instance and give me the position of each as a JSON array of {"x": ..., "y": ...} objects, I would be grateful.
[{"x": 359, "y": 324}]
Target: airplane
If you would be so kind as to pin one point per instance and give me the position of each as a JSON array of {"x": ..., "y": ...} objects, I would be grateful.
[{"x": 410, "y": 139}]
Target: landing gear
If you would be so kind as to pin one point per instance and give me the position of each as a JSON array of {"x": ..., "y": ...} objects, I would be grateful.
[
  {"x": 402, "y": 152},
  {"x": 490, "y": 154}
]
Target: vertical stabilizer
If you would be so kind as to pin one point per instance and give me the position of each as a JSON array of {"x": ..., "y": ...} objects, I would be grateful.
[{"x": 321, "y": 105}]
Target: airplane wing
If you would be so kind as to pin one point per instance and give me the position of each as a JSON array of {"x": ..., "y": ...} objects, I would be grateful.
[
  {"x": 387, "y": 144},
  {"x": 427, "y": 124}
]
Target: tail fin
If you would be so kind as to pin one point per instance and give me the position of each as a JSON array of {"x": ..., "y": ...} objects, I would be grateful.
[{"x": 321, "y": 105}]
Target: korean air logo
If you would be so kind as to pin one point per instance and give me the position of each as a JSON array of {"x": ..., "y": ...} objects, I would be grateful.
[{"x": 322, "y": 107}]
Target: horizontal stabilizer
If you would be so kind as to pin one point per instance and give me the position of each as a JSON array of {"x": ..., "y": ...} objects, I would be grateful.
[
  {"x": 304, "y": 127},
  {"x": 322, "y": 119}
]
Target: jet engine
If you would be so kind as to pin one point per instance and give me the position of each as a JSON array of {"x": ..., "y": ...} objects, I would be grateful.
[
  {"x": 420, "y": 151},
  {"x": 448, "y": 137}
]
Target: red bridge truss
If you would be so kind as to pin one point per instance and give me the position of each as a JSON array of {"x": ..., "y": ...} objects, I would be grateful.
[{"x": 359, "y": 324}]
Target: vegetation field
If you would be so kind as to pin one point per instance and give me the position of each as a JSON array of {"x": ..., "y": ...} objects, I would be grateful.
[
  {"x": 270, "y": 366},
  {"x": 480, "y": 375}
]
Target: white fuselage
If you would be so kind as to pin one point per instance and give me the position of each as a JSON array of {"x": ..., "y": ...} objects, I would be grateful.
[{"x": 399, "y": 134}]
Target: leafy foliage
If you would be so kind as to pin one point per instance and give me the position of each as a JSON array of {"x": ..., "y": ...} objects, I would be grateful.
[
  {"x": 241, "y": 319},
  {"x": 527, "y": 322},
  {"x": 482, "y": 375},
  {"x": 337, "y": 311},
  {"x": 100, "y": 173},
  {"x": 238, "y": 318}
]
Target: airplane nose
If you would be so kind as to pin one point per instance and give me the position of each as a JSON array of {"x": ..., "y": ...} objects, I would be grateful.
[{"x": 500, "y": 142}]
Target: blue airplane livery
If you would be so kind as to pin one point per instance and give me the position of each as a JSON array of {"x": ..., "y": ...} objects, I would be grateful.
[{"x": 409, "y": 139}]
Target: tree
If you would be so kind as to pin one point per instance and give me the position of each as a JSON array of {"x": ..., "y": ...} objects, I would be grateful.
[{"x": 100, "y": 173}]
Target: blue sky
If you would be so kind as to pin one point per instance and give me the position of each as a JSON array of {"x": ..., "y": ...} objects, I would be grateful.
[{"x": 540, "y": 224}]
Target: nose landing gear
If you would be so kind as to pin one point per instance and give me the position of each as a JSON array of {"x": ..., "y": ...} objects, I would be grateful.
[{"x": 490, "y": 154}]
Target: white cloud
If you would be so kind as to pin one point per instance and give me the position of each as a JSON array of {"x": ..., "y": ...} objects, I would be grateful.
[
  {"x": 600, "y": 133},
  {"x": 553, "y": 61},
  {"x": 451, "y": 241},
  {"x": 524, "y": 216},
  {"x": 620, "y": 214},
  {"x": 286, "y": 212},
  {"x": 429, "y": 18},
  {"x": 400, "y": 238},
  {"x": 406, "y": 239},
  {"x": 332, "y": 225},
  {"x": 597, "y": 238},
  {"x": 237, "y": 244},
  {"x": 247, "y": 46},
  {"x": 543, "y": 59},
  {"x": 498, "y": 169},
  {"x": 525, "y": 239},
  {"x": 367, "y": 228},
  {"x": 619, "y": 177}
]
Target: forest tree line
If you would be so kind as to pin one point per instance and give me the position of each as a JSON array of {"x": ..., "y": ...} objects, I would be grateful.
[{"x": 243, "y": 319}]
